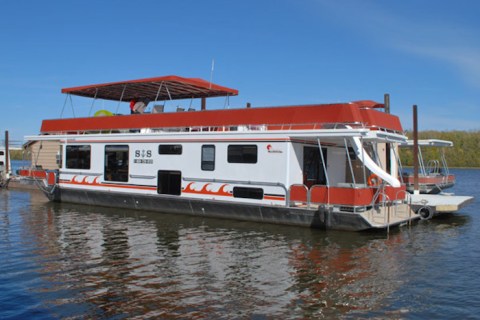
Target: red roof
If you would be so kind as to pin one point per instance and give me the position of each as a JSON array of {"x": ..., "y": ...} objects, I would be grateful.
[
  {"x": 159, "y": 88},
  {"x": 301, "y": 117}
]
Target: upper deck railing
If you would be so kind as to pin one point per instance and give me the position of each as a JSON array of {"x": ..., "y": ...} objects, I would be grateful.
[{"x": 231, "y": 128}]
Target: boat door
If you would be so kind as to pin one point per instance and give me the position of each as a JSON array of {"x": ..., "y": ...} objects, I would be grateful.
[{"x": 313, "y": 172}]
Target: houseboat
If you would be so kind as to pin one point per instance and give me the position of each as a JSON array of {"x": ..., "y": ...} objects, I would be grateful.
[
  {"x": 330, "y": 166},
  {"x": 5, "y": 167},
  {"x": 434, "y": 174}
]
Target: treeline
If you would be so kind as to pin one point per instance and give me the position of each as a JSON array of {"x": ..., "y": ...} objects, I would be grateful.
[
  {"x": 16, "y": 154},
  {"x": 465, "y": 152}
]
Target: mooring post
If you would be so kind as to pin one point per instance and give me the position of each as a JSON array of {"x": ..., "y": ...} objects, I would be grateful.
[
  {"x": 386, "y": 102},
  {"x": 7, "y": 156},
  {"x": 388, "y": 160},
  {"x": 415, "y": 151}
]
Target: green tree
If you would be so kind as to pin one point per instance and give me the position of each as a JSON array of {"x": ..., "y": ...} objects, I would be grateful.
[{"x": 465, "y": 152}]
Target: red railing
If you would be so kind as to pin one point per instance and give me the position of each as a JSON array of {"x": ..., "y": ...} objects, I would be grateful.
[
  {"x": 298, "y": 193},
  {"x": 354, "y": 197}
]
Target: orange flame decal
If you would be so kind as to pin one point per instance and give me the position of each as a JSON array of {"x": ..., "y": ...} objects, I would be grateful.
[
  {"x": 221, "y": 191},
  {"x": 84, "y": 181}
]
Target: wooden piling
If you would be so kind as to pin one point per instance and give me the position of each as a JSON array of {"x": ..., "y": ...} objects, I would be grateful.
[
  {"x": 7, "y": 155},
  {"x": 415, "y": 151},
  {"x": 388, "y": 160}
]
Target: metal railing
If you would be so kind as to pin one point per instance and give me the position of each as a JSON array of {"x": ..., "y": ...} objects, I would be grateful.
[
  {"x": 307, "y": 199},
  {"x": 433, "y": 166},
  {"x": 231, "y": 128}
]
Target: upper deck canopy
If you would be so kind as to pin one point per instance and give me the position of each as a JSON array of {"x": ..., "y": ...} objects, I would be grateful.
[
  {"x": 428, "y": 143},
  {"x": 152, "y": 89}
]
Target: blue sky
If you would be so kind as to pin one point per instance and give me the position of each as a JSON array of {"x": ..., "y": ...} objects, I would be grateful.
[{"x": 275, "y": 52}]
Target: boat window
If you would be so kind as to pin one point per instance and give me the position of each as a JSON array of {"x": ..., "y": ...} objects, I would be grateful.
[
  {"x": 1, "y": 163},
  {"x": 242, "y": 154},
  {"x": 208, "y": 157},
  {"x": 116, "y": 163},
  {"x": 2, "y": 153},
  {"x": 170, "y": 149},
  {"x": 78, "y": 157},
  {"x": 250, "y": 193},
  {"x": 169, "y": 182}
]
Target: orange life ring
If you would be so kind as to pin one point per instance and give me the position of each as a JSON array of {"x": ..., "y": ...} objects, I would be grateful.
[{"x": 373, "y": 180}]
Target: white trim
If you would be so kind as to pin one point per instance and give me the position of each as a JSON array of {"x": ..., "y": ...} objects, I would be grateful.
[
  {"x": 428, "y": 143},
  {"x": 366, "y": 134}
]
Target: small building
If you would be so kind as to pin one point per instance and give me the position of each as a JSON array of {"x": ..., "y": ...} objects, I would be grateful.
[{"x": 43, "y": 154}]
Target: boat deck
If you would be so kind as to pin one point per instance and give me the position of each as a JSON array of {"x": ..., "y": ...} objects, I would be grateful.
[
  {"x": 390, "y": 215},
  {"x": 440, "y": 203},
  {"x": 383, "y": 217}
]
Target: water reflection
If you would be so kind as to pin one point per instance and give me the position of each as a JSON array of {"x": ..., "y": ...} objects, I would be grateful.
[{"x": 100, "y": 262}]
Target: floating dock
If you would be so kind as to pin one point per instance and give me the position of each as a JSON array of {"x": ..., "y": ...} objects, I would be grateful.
[{"x": 439, "y": 203}]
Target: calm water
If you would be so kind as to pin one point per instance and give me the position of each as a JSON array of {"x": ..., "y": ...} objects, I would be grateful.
[{"x": 76, "y": 262}]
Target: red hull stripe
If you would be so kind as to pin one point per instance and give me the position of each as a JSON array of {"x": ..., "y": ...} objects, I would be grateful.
[{"x": 277, "y": 198}]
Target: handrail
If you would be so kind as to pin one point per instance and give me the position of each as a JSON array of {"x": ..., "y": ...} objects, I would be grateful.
[
  {"x": 444, "y": 162},
  {"x": 380, "y": 190},
  {"x": 407, "y": 200},
  {"x": 433, "y": 166},
  {"x": 385, "y": 200},
  {"x": 388, "y": 200},
  {"x": 235, "y": 127},
  {"x": 307, "y": 194},
  {"x": 44, "y": 184}
]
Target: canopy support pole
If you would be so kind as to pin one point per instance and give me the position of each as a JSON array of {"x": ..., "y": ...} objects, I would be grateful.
[
  {"x": 71, "y": 104},
  {"x": 159, "y": 89},
  {"x": 121, "y": 97},
  {"x": 93, "y": 102},
  {"x": 64, "y": 104},
  {"x": 227, "y": 102},
  {"x": 168, "y": 92}
]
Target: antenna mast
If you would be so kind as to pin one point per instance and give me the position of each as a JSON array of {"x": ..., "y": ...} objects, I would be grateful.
[{"x": 211, "y": 72}]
